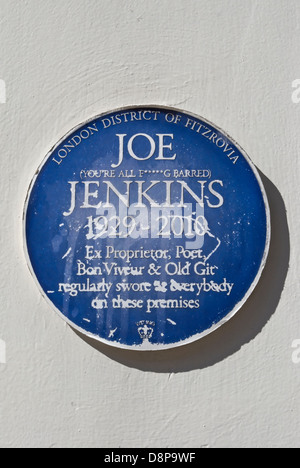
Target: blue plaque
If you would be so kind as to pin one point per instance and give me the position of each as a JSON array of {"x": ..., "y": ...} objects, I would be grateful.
[{"x": 146, "y": 228}]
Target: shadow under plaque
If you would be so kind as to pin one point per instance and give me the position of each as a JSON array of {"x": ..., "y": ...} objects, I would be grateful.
[{"x": 239, "y": 330}]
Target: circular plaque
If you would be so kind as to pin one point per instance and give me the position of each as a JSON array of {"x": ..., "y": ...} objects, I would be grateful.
[{"x": 146, "y": 228}]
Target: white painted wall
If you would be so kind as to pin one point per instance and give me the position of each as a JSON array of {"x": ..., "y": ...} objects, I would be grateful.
[{"x": 232, "y": 62}]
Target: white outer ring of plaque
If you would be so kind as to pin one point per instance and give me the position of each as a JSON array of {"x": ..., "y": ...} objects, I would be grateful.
[{"x": 150, "y": 346}]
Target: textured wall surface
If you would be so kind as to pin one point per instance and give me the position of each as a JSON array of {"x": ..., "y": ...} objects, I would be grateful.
[{"x": 232, "y": 62}]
